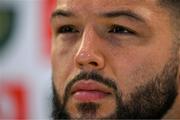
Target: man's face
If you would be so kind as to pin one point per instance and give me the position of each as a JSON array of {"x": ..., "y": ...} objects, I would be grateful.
[{"x": 113, "y": 59}]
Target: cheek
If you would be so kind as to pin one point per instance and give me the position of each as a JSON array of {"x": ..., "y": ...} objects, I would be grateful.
[
  {"x": 62, "y": 67},
  {"x": 134, "y": 70}
]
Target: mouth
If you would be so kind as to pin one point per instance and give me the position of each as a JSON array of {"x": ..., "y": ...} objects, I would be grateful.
[{"x": 89, "y": 91}]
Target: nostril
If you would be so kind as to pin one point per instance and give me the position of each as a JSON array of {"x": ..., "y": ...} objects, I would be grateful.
[{"x": 94, "y": 63}]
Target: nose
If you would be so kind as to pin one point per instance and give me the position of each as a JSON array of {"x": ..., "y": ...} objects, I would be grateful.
[{"x": 89, "y": 56}]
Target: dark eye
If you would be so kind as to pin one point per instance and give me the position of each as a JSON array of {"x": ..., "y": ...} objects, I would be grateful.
[
  {"x": 67, "y": 29},
  {"x": 120, "y": 30}
]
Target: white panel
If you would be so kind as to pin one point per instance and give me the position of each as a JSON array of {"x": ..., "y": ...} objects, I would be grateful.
[{"x": 23, "y": 57}]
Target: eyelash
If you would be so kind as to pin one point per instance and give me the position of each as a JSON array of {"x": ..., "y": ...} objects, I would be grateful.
[
  {"x": 115, "y": 29},
  {"x": 67, "y": 29},
  {"x": 118, "y": 29}
]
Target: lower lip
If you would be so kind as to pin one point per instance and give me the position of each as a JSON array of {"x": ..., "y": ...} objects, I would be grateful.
[{"x": 87, "y": 96}]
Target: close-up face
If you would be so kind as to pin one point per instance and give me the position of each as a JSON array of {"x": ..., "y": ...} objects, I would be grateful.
[{"x": 113, "y": 59}]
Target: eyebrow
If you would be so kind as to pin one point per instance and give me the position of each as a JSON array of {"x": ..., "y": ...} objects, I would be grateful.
[
  {"x": 111, "y": 14},
  {"x": 128, "y": 13},
  {"x": 62, "y": 13}
]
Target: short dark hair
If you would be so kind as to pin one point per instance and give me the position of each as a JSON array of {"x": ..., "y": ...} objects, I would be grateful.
[{"x": 173, "y": 5}]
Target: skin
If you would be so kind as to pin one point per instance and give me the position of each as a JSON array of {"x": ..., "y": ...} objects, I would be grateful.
[{"x": 130, "y": 59}]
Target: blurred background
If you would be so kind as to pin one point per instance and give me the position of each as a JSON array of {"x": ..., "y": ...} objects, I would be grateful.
[{"x": 25, "y": 70}]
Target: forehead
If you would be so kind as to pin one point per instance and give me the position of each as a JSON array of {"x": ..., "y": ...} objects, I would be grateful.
[
  {"x": 86, "y": 8},
  {"x": 93, "y": 6}
]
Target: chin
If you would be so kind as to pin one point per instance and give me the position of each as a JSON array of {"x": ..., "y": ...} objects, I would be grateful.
[{"x": 100, "y": 109}]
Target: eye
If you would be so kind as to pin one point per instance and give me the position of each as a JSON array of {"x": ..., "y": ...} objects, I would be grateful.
[
  {"x": 67, "y": 29},
  {"x": 120, "y": 30}
]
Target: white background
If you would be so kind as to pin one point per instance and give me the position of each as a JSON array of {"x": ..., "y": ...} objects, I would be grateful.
[{"x": 24, "y": 58}]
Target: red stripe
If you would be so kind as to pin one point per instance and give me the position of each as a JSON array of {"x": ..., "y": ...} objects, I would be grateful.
[
  {"x": 18, "y": 94},
  {"x": 47, "y": 9}
]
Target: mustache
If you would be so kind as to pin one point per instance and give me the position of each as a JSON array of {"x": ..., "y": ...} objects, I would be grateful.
[{"x": 89, "y": 76}]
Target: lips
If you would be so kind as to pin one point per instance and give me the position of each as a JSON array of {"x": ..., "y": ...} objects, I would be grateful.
[{"x": 89, "y": 90}]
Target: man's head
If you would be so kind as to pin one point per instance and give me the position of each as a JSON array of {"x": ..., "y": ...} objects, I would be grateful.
[{"x": 115, "y": 59}]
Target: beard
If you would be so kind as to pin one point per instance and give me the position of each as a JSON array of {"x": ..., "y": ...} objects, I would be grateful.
[{"x": 149, "y": 101}]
